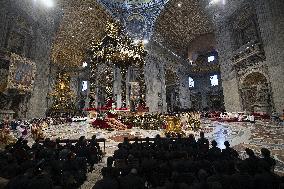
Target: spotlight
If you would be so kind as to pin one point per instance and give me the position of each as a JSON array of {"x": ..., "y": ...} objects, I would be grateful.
[
  {"x": 136, "y": 41},
  {"x": 214, "y": 2},
  {"x": 179, "y": 4},
  {"x": 48, "y": 3},
  {"x": 145, "y": 41}
]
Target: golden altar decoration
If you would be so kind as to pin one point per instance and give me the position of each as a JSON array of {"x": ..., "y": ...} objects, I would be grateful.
[
  {"x": 63, "y": 96},
  {"x": 173, "y": 126},
  {"x": 116, "y": 50},
  {"x": 6, "y": 138}
]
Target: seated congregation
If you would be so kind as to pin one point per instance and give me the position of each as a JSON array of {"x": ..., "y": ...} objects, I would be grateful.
[
  {"x": 48, "y": 164},
  {"x": 184, "y": 163}
]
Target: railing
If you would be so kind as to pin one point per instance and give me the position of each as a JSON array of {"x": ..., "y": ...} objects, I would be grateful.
[
  {"x": 100, "y": 140},
  {"x": 250, "y": 50},
  {"x": 154, "y": 139}
]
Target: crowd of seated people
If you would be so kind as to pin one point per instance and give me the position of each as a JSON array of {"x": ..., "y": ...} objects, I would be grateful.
[
  {"x": 185, "y": 163},
  {"x": 13, "y": 124},
  {"x": 26, "y": 128},
  {"x": 48, "y": 164}
]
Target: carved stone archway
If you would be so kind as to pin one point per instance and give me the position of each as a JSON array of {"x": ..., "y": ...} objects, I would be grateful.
[{"x": 256, "y": 92}]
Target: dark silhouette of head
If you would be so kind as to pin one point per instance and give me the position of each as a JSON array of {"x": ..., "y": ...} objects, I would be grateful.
[
  {"x": 94, "y": 137},
  {"x": 265, "y": 152},
  {"x": 110, "y": 161},
  {"x": 227, "y": 144},
  {"x": 249, "y": 152},
  {"x": 214, "y": 143}
]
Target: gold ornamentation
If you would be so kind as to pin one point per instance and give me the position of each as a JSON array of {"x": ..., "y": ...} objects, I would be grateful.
[
  {"x": 173, "y": 126},
  {"x": 63, "y": 96},
  {"x": 82, "y": 22},
  {"x": 119, "y": 50},
  {"x": 21, "y": 73}
]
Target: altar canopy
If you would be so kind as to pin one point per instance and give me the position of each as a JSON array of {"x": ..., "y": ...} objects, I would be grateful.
[{"x": 112, "y": 60}]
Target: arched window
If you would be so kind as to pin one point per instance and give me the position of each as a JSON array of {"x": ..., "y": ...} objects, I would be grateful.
[
  {"x": 214, "y": 80},
  {"x": 191, "y": 82},
  {"x": 211, "y": 59},
  {"x": 85, "y": 64},
  {"x": 84, "y": 85}
]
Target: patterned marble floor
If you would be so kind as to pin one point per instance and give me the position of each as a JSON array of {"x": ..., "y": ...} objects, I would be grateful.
[{"x": 240, "y": 135}]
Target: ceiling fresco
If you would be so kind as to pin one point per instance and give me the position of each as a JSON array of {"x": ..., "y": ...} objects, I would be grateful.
[{"x": 138, "y": 16}]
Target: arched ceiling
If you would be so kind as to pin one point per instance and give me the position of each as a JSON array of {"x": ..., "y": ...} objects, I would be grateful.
[
  {"x": 82, "y": 22},
  {"x": 179, "y": 23},
  {"x": 172, "y": 25}
]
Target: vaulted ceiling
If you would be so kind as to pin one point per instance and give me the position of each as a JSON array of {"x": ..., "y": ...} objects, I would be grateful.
[
  {"x": 179, "y": 23},
  {"x": 82, "y": 22},
  {"x": 173, "y": 23}
]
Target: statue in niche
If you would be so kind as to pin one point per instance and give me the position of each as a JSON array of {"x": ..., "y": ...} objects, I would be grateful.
[
  {"x": 245, "y": 26},
  {"x": 262, "y": 96}
]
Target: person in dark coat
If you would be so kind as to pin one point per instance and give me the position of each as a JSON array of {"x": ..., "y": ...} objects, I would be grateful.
[
  {"x": 241, "y": 179},
  {"x": 267, "y": 158},
  {"x": 203, "y": 144},
  {"x": 265, "y": 178},
  {"x": 229, "y": 153},
  {"x": 214, "y": 153},
  {"x": 132, "y": 181},
  {"x": 107, "y": 182},
  {"x": 252, "y": 161}
]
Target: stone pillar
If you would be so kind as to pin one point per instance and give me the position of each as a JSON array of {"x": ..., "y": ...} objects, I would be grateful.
[
  {"x": 204, "y": 100},
  {"x": 184, "y": 91},
  {"x": 155, "y": 84},
  {"x": 270, "y": 16},
  {"x": 229, "y": 77},
  {"x": 117, "y": 87},
  {"x": 38, "y": 102}
]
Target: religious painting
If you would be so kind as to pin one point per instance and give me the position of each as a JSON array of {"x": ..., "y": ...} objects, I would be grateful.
[{"x": 21, "y": 73}]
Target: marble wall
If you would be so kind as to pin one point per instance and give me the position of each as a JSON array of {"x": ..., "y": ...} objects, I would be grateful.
[
  {"x": 27, "y": 29},
  {"x": 269, "y": 16}
]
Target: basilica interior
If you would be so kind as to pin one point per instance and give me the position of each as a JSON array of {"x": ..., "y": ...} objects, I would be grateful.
[{"x": 110, "y": 73}]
